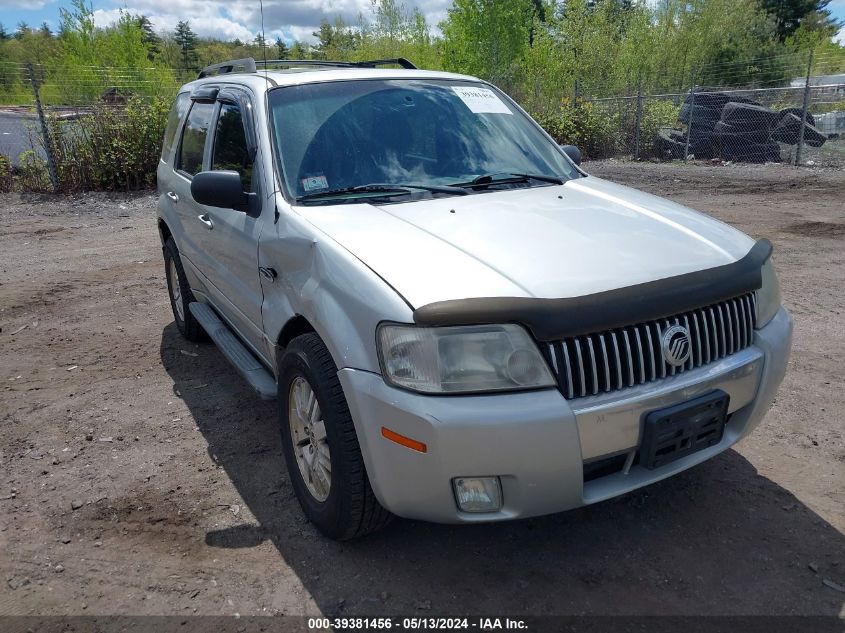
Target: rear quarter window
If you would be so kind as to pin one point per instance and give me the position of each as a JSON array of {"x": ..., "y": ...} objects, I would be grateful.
[{"x": 177, "y": 113}]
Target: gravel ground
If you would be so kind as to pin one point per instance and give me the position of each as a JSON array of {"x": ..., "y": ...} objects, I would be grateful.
[{"x": 139, "y": 475}]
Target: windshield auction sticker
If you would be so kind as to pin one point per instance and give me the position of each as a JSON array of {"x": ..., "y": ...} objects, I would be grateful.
[{"x": 482, "y": 100}]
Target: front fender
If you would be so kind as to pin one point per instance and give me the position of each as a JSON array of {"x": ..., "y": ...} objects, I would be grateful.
[{"x": 318, "y": 279}]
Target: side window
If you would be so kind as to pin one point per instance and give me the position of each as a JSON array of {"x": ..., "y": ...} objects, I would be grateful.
[
  {"x": 191, "y": 149},
  {"x": 230, "y": 148},
  {"x": 176, "y": 114}
]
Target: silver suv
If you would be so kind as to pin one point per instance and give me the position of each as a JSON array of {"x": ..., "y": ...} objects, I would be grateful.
[{"x": 459, "y": 324}]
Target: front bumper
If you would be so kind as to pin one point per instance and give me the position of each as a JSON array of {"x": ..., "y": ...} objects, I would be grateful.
[{"x": 538, "y": 442}]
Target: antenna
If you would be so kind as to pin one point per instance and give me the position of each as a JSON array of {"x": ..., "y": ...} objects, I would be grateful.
[
  {"x": 263, "y": 38},
  {"x": 267, "y": 104}
]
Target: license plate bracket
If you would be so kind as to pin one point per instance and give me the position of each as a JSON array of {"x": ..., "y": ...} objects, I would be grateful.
[{"x": 682, "y": 429}]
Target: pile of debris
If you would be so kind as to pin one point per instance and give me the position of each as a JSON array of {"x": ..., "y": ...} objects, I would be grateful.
[{"x": 730, "y": 127}]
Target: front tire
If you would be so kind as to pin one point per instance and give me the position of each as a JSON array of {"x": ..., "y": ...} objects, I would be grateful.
[
  {"x": 320, "y": 444},
  {"x": 180, "y": 294}
]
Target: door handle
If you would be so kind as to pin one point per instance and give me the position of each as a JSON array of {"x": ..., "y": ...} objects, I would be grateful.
[
  {"x": 173, "y": 196},
  {"x": 206, "y": 220}
]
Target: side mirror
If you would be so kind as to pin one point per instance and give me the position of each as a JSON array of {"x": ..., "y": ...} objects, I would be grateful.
[
  {"x": 220, "y": 189},
  {"x": 573, "y": 152}
]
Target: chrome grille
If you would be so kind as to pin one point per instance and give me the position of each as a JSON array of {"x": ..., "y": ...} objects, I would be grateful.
[{"x": 620, "y": 358}]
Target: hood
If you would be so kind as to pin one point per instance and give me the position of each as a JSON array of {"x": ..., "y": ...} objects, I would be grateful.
[{"x": 583, "y": 237}]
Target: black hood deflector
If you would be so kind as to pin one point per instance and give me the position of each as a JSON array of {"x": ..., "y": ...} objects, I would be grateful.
[{"x": 555, "y": 319}]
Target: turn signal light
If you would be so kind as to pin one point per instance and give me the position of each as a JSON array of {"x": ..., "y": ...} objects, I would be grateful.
[{"x": 407, "y": 442}]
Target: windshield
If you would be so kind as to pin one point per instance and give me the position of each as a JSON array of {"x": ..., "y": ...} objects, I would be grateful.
[{"x": 340, "y": 135}]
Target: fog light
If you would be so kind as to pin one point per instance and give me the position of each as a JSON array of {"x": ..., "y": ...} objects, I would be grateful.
[{"x": 478, "y": 494}]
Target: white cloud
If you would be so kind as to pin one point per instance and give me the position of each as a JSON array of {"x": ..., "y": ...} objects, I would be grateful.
[
  {"x": 29, "y": 5},
  {"x": 228, "y": 19},
  {"x": 203, "y": 23},
  {"x": 105, "y": 17}
]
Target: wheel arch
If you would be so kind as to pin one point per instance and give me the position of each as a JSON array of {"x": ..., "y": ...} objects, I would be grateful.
[
  {"x": 297, "y": 325},
  {"x": 164, "y": 231}
]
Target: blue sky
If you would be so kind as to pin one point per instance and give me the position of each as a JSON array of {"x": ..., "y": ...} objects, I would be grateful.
[{"x": 228, "y": 19}]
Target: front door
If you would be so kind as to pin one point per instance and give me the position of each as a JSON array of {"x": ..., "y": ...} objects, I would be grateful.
[{"x": 231, "y": 237}]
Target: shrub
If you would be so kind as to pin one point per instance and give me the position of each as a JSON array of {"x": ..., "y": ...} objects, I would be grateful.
[
  {"x": 581, "y": 123},
  {"x": 110, "y": 147},
  {"x": 655, "y": 115},
  {"x": 608, "y": 128},
  {"x": 6, "y": 174},
  {"x": 32, "y": 173}
]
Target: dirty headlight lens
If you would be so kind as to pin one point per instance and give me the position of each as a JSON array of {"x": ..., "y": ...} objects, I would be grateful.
[
  {"x": 461, "y": 359},
  {"x": 768, "y": 297}
]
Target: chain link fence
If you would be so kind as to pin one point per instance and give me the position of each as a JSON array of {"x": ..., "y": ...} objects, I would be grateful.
[
  {"x": 100, "y": 127},
  {"x": 82, "y": 127},
  {"x": 795, "y": 125}
]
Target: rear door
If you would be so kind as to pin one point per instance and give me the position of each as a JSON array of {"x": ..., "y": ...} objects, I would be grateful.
[
  {"x": 165, "y": 175},
  {"x": 231, "y": 237},
  {"x": 190, "y": 159}
]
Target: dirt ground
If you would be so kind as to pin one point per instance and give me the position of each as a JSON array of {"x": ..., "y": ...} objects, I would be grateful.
[{"x": 139, "y": 475}]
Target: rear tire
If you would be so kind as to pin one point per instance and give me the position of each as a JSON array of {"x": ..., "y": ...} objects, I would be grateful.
[
  {"x": 180, "y": 294},
  {"x": 348, "y": 508}
]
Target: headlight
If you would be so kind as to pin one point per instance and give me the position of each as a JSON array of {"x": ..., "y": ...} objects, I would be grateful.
[
  {"x": 768, "y": 297},
  {"x": 461, "y": 359}
]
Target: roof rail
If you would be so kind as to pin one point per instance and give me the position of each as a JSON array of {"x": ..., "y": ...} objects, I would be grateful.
[
  {"x": 250, "y": 65},
  {"x": 399, "y": 61},
  {"x": 247, "y": 64}
]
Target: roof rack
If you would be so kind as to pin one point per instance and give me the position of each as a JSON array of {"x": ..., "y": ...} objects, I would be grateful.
[
  {"x": 247, "y": 63},
  {"x": 250, "y": 65}
]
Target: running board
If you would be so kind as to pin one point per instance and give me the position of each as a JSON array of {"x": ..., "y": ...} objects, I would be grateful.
[{"x": 235, "y": 352}]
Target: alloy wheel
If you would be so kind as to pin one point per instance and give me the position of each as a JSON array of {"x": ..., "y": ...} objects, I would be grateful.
[{"x": 308, "y": 433}]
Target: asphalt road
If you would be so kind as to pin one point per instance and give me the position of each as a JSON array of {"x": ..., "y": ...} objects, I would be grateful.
[{"x": 15, "y": 133}]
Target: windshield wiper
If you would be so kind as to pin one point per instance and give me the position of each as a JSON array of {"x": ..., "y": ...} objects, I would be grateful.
[
  {"x": 387, "y": 189},
  {"x": 507, "y": 179}
]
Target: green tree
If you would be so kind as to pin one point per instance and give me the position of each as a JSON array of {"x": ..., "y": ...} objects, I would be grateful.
[
  {"x": 77, "y": 33},
  {"x": 259, "y": 41},
  {"x": 390, "y": 30},
  {"x": 300, "y": 50},
  {"x": 334, "y": 41},
  {"x": 487, "y": 38},
  {"x": 790, "y": 14},
  {"x": 281, "y": 48},
  {"x": 22, "y": 30},
  {"x": 816, "y": 34},
  {"x": 149, "y": 37},
  {"x": 4, "y": 34},
  {"x": 92, "y": 60},
  {"x": 186, "y": 40}
]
